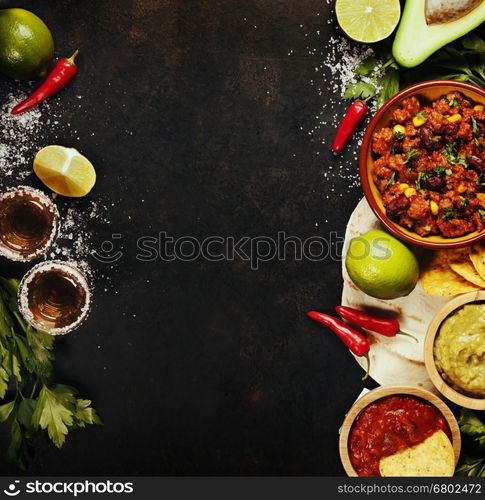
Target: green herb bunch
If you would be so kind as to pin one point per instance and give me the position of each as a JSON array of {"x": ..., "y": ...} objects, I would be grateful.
[
  {"x": 35, "y": 404},
  {"x": 472, "y": 460},
  {"x": 380, "y": 77}
]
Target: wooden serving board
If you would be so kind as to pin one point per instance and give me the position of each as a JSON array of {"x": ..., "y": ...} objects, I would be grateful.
[{"x": 398, "y": 360}]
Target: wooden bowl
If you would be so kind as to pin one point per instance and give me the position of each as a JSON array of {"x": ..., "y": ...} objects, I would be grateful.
[
  {"x": 382, "y": 392},
  {"x": 430, "y": 91},
  {"x": 442, "y": 386}
]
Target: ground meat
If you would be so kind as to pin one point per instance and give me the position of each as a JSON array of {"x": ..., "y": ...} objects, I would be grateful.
[
  {"x": 465, "y": 131},
  {"x": 442, "y": 161},
  {"x": 382, "y": 140},
  {"x": 401, "y": 115},
  {"x": 418, "y": 208},
  {"x": 411, "y": 104},
  {"x": 455, "y": 227},
  {"x": 397, "y": 207}
]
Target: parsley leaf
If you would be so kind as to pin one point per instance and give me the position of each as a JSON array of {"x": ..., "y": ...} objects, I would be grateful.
[
  {"x": 421, "y": 181},
  {"x": 391, "y": 181},
  {"x": 411, "y": 154},
  {"x": 440, "y": 171},
  {"x": 482, "y": 215},
  {"x": 54, "y": 412},
  {"x": 390, "y": 85},
  {"x": 475, "y": 127},
  {"x": 359, "y": 90},
  {"x": 449, "y": 213},
  {"x": 455, "y": 102},
  {"x": 367, "y": 67},
  {"x": 481, "y": 180}
]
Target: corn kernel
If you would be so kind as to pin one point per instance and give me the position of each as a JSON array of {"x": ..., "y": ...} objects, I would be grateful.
[
  {"x": 399, "y": 129},
  {"x": 434, "y": 207},
  {"x": 454, "y": 118},
  {"x": 478, "y": 107},
  {"x": 409, "y": 192},
  {"x": 461, "y": 188},
  {"x": 418, "y": 121},
  {"x": 403, "y": 186}
]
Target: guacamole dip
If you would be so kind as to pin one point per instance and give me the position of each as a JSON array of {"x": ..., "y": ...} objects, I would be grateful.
[{"x": 459, "y": 349}]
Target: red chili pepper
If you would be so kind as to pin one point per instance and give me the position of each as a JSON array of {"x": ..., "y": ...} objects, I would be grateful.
[
  {"x": 354, "y": 340},
  {"x": 349, "y": 124},
  {"x": 64, "y": 71},
  {"x": 389, "y": 327}
]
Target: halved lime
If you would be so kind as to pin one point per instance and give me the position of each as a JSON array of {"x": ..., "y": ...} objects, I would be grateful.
[
  {"x": 368, "y": 21},
  {"x": 65, "y": 171}
]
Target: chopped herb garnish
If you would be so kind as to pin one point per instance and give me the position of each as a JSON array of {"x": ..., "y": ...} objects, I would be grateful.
[
  {"x": 475, "y": 127},
  {"x": 481, "y": 180},
  {"x": 449, "y": 213},
  {"x": 455, "y": 102},
  {"x": 411, "y": 154},
  {"x": 422, "y": 115},
  {"x": 399, "y": 135},
  {"x": 482, "y": 214},
  {"x": 478, "y": 144},
  {"x": 440, "y": 171},
  {"x": 461, "y": 160},
  {"x": 392, "y": 180},
  {"x": 421, "y": 181},
  {"x": 450, "y": 152},
  {"x": 427, "y": 228},
  {"x": 464, "y": 202}
]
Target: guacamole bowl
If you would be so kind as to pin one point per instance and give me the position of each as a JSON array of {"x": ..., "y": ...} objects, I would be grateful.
[{"x": 453, "y": 350}]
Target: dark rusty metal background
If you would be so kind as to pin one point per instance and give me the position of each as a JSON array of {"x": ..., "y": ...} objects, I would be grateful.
[{"x": 191, "y": 113}]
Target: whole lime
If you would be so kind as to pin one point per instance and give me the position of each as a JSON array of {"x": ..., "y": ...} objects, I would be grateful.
[
  {"x": 381, "y": 266},
  {"x": 26, "y": 45}
]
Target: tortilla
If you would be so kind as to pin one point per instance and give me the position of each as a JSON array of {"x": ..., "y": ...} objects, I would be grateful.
[
  {"x": 461, "y": 263},
  {"x": 434, "y": 457},
  {"x": 477, "y": 256},
  {"x": 439, "y": 280}
]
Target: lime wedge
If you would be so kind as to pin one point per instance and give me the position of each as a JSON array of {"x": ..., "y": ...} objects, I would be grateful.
[
  {"x": 65, "y": 171},
  {"x": 368, "y": 21}
]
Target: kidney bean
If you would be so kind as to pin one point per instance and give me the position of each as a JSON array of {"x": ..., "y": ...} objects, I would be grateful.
[
  {"x": 436, "y": 183},
  {"x": 427, "y": 134},
  {"x": 476, "y": 162},
  {"x": 451, "y": 130}
]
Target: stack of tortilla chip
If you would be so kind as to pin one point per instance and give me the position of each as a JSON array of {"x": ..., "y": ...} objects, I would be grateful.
[{"x": 451, "y": 272}]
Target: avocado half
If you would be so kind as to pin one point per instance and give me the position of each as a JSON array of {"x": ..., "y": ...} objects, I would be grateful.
[{"x": 416, "y": 40}]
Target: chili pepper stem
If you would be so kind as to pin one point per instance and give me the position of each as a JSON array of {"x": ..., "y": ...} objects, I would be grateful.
[
  {"x": 71, "y": 59},
  {"x": 406, "y": 334},
  {"x": 366, "y": 356}
]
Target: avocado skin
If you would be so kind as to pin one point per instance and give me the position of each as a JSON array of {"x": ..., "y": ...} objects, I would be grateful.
[{"x": 415, "y": 41}]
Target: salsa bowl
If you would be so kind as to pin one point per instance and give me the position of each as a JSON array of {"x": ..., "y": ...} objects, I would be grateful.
[
  {"x": 380, "y": 394},
  {"x": 428, "y": 91},
  {"x": 445, "y": 387}
]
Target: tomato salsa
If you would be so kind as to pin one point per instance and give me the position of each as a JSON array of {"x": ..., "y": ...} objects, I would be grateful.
[
  {"x": 389, "y": 425},
  {"x": 429, "y": 166}
]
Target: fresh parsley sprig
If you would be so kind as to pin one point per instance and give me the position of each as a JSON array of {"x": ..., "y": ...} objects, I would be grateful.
[
  {"x": 472, "y": 460},
  {"x": 381, "y": 77},
  {"x": 34, "y": 402}
]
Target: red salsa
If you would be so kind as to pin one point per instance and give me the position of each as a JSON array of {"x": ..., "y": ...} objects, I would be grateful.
[{"x": 390, "y": 425}]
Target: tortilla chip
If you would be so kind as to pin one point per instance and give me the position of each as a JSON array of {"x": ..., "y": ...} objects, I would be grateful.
[
  {"x": 434, "y": 457},
  {"x": 477, "y": 256},
  {"x": 461, "y": 263},
  {"x": 439, "y": 280}
]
